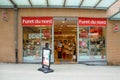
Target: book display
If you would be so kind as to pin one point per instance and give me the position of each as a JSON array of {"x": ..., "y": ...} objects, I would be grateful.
[
  {"x": 34, "y": 42},
  {"x": 83, "y": 42},
  {"x": 91, "y": 43}
]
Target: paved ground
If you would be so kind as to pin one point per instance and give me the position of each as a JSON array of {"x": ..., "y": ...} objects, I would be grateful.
[{"x": 61, "y": 72}]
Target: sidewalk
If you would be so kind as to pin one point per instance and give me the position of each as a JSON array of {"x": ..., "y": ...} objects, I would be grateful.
[{"x": 61, "y": 72}]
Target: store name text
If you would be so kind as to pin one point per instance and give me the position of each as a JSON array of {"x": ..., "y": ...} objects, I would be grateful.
[
  {"x": 32, "y": 21},
  {"x": 36, "y": 21},
  {"x": 92, "y": 22}
]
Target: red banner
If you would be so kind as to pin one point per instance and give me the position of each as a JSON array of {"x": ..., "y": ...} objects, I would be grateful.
[
  {"x": 37, "y": 21},
  {"x": 100, "y": 22}
]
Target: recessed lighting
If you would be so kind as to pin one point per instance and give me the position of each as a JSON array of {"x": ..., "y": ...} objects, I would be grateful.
[
  {"x": 60, "y": 28},
  {"x": 71, "y": 25},
  {"x": 63, "y": 21},
  {"x": 61, "y": 25},
  {"x": 73, "y": 30}
]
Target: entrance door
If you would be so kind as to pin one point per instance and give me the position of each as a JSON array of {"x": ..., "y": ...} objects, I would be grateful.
[
  {"x": 91, "y": 43},
  {"x": 34, "y": 39},
  {"x": 65, "y": 34}
]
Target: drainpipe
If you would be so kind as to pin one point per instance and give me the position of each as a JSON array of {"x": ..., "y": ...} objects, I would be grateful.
[{"x": 16, "y": 33}]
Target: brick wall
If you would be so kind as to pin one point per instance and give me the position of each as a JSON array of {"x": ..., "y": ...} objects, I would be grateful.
[
  {"x": 113, "y": 44},
  {"x": 7, "y": 47}
]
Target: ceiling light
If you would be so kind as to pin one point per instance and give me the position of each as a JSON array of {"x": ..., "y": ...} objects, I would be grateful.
[
  {"x": 61, "y": 25},
  {"x": 63, "y": 21},
  {"x": 59, "y": 30},
  {"x": 71, "y": 25}
]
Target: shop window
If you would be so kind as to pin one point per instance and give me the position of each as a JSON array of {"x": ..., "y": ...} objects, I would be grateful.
[
  {"x": 34, "y": 39},
  {"x": 91, "y": 42}
]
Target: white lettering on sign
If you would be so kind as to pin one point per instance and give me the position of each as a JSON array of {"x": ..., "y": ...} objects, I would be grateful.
[
  {"x": 92, "y": 21},
  {"x": 28, "y": 21},
  {"x": 37, "y": 21},
  {"x": 101, "y": 22},
  {"x": 46, "y": 21},
  {"x": 84, "y": 21}
]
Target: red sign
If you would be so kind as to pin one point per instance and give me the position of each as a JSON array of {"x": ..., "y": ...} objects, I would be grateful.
[
  {"x": 37, "y": 21},
  {"x": 5, "y": 15},
  {"x": 116, "y": 28},
  {"x": 101, "y": 22}
]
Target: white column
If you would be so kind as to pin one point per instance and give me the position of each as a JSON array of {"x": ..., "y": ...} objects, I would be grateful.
[{"x": 52, "y": 56}]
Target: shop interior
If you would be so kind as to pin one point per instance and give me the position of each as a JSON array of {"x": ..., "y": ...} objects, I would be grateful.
[{"x": 65, "y": 35}]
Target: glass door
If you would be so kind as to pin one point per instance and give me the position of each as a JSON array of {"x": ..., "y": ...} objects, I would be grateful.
[{"x": 34, "y": 39}]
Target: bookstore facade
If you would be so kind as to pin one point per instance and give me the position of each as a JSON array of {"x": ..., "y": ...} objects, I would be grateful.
[{"x": 78, "y": 35}]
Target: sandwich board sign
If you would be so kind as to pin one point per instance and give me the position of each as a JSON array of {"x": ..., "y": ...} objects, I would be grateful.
[{"x": 46, "y": 58}]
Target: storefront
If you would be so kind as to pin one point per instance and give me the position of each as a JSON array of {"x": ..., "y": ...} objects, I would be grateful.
[
  {"x": 36, "y": 32},
  {"x": 88, "y": 39},
  {"x": 91, "y": 39},
  {"x": 93, "y": 43}
]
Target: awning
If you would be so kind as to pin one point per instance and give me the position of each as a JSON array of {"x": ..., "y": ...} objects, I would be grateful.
[
  {"x": 88, "y": 4},
  {"x": 115, "y": 16}
]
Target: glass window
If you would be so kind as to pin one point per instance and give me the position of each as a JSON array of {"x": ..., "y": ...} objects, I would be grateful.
[
  {"x": 97, "y": 42},
  {"x": 22, "y": 3},
  {"x": 39, "y": 3},
  {"x": 56, "y": 2},
  {"x": 91, "y": 43},
  {"x": 73, "y": 3},
  {"x": 6, "y": 4},
  {"x": 34, "y": 39},
  {"x": 84, "y": 43},
  {"x": 117, "y": 16},
  {"x": 89, "y": 3},
  {"x": 105, "y": 3}
]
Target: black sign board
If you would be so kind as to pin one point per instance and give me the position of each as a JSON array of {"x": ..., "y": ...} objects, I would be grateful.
[{"x": 46, "y": 58}]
